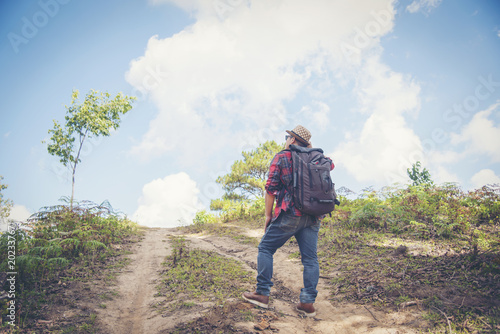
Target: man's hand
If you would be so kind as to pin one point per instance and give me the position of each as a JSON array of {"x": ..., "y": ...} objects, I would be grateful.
[
  {"x": 268, "y": 221},
  {"x": 269, "y": 203}
]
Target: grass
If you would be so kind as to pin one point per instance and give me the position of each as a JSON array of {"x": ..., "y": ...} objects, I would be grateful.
[
  {"x": 192, "y": 276},
  {"x": 439, "y": 277}
]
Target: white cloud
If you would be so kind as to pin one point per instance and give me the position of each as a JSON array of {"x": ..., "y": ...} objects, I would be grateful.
[
  {"x": 220, "y": 81},
  {"x": 168, "y": 202},
  {"x": 438, "y": 162},
  {"x": 425, "y": 6},
  {"x": 481, "y": 135},
  {"x": 19, "y": 213},
  {"x": 318, "y": 113},
  {"x": 440, "y": 174},
  {"x": 386, "y": 146},
  {"x": 445, "y": 157},
  {"x": 484, "y": 177}
]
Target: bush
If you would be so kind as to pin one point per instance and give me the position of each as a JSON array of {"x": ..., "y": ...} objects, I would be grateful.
[
  {"x": 370, "y": 215},
  {"x": 443, "y": 212},
  {"x": 55, "y": 237},
  {"x": 203, "y": 217}
]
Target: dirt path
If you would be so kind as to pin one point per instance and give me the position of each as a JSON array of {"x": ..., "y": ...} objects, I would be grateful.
[{"x": 131, "y": 311}]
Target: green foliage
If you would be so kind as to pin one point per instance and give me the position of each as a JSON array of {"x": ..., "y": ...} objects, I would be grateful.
[
  {"x": 248, "y": 176},
  {"x": 470, "y": 220},
  {"x": 56, "y": 237},
  {"x": 55, "y": 244},
  {"x": 5, "y": 204},
  {"x": 230, "y": 209},
  {"x": 257, "y": 207},
  {"x": 368, "y": 210},
  {"x": 371, "y": 214},
  {"x": 235, "y": 210},
  {"x": 203, "y": 217},
  {"x": 94, "y": 117},
  {"x": 419, "y": 177},
  {"x": 244, "y": 186},
  {"x": 443, "y": 211},
  {"x": 199, "y": 275}
]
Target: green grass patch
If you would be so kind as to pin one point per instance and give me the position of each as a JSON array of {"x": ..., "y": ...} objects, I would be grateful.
[
  {"x": 376, "y": 267},
  {"x": 194, "y": 275}
]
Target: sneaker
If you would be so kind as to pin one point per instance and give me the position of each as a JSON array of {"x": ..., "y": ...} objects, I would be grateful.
[
  {"x": 306, "y": 309},
  {"x": 256, "y": 299}
]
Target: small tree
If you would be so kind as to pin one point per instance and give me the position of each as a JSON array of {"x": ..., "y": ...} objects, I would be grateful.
[
  {"x": 419, "y": 177},
  {"x": 247, "y": 178},
  {"x": 94, "y": 117}
]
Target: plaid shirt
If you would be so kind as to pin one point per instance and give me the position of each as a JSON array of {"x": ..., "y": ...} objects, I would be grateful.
[{"x": 279, "y": 183}]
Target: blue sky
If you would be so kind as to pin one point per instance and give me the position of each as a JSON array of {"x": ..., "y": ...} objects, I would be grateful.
[{"x": 380, "y": 84}]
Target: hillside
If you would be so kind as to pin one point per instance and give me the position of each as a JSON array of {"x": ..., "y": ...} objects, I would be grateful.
[
  {"x": 134, "y": 297},
  {"x": 131, "y": 311},
  {"x": 130, "y": 304},
  {"x": 411, "y": 260}
]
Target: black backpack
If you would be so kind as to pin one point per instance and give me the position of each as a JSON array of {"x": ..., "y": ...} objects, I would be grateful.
[{"x": 312, "y": 187}]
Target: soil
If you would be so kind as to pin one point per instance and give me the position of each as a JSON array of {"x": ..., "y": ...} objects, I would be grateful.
[{"x": 131, "y": 309}]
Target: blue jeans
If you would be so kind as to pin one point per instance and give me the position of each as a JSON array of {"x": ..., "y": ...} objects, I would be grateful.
[{"x": 305, "y": 229}]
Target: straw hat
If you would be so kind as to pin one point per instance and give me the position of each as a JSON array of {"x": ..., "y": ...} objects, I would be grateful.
[{"x": 301, "y": 134}]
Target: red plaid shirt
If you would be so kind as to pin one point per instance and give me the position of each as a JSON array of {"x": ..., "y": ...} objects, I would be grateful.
[{"x": 279, "y": 183}]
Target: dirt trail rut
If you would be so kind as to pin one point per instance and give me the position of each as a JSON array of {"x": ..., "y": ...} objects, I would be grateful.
[{"x": 131, "y": 311}]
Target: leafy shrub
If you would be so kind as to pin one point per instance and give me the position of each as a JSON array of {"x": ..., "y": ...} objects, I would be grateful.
[
  {"x": 55, "y": 237},
  {"x": 430, "y": 211},
  {"x": 371, "y": 215},
  {"x": 203, "y": 217},
  {"x": 257, "y": 208},
  {"x": 52, "y": 241},
  {"x": 238, "y": 209},
  {"x": 230, "y": 209}
]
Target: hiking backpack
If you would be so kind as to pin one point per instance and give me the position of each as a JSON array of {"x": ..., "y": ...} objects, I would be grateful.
[{"x": 312, "y": 187}]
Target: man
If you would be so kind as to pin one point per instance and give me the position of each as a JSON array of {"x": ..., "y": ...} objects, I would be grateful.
[{"x": 287, "y": 221}]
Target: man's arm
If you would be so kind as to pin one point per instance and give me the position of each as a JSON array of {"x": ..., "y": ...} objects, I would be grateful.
[
  {"x": 269, "y": 203},
  {"x": 272, "y": 188}
]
